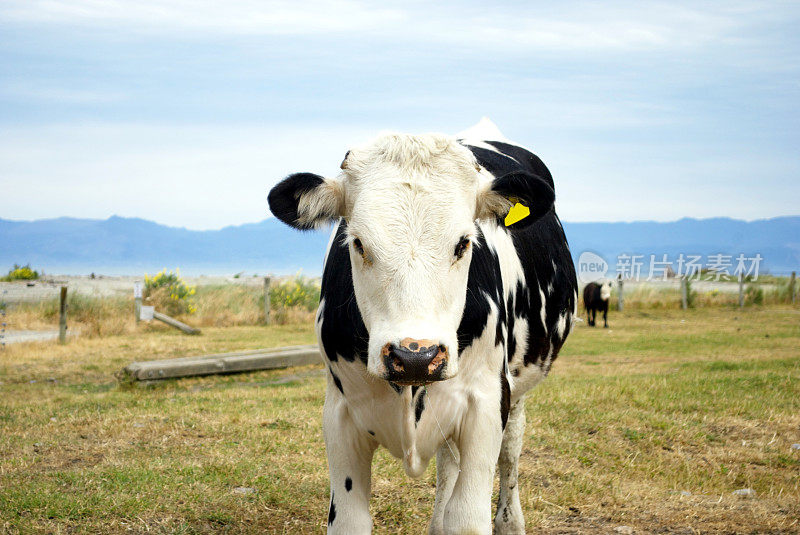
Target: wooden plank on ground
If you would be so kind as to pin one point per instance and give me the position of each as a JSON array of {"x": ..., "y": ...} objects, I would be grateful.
[
  {"x": 175, "y": 323},
  {"x": 240, "y": 361}
]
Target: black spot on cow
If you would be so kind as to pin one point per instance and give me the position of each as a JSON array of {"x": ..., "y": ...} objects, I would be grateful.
[
  {"x": 343, "y": 331},
  {"x": 332, "y": 511},
  {"x": 348, "y": 484},
  {"x": 499, "y": 337},
  {"x": 420, "y": 406},
  {"x": 511, "y": 349},
  {"x": 483, "y": 279},
  {"x": 505, "y": 396},
  {"x": 539, "y": 245},
  {"x": 336, "y": 381}
]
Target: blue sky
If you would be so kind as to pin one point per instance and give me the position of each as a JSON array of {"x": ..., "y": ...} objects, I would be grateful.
[{"x": 187, "y": 112}]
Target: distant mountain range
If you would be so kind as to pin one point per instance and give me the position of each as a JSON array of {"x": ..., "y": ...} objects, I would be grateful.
[{"x": 129, "y": 246}]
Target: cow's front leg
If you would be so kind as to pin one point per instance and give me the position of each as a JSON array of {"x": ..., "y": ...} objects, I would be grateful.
[
  {"x": 509, "y": 519},
  {"x": 350, "y": 464},
  {"x": 605, "y": 317},
  {"x": 446, "y": 476},
  {"x": 469, "y": 510}
]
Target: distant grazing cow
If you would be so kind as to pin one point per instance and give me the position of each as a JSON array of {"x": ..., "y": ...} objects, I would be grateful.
[
  {"x": 435, "y": 318},
  {"x": 595, "y": 298}
]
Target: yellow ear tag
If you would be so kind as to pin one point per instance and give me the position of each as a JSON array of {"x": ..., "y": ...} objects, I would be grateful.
[{"x": 518, "y": 212}]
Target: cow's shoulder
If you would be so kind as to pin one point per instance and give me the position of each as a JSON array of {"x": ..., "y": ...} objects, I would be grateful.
[{"x": 546, "y": 296}]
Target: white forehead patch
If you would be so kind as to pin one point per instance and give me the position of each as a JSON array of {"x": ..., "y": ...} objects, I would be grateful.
[
  {"x": 409, "y": 157},
  {"x": 408, "y": 186}
]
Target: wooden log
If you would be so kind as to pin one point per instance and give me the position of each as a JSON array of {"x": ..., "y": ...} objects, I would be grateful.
[
  {"x": 175, "y": 323},
  {"x": 241, "y": 361}
]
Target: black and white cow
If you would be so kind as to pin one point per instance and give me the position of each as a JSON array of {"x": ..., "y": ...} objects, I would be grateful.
[
  {"x": 595, "y": 299},
  {"x": 435, "y": 318}
]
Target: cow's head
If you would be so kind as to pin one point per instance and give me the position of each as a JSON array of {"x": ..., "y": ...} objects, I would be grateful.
[
  {"x": 605, "y": 290},
  {"x": 411, "y": 204}
]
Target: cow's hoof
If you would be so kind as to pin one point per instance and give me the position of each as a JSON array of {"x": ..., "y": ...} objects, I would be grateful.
[
  {"x": 509, "y": 520},
  {"x": 509, "y": 528}
]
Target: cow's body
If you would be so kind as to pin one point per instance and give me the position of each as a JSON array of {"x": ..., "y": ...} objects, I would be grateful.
[
  {"x": 595, "y": 299},
  {"x": 521, "y": 298}
]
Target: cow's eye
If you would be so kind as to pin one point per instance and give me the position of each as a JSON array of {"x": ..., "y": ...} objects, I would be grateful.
[
  {"x": 358, "y": 246},
  {"x": 461, "y": 247}
]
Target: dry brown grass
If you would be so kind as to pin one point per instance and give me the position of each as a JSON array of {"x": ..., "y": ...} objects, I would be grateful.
[
  {"x": 217, "y": 306},
  {"x": 705, "y": 402},
  {"x": 768, "y": 290}
]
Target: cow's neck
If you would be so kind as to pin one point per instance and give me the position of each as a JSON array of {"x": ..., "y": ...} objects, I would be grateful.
[{"x": 412, "y": 461}]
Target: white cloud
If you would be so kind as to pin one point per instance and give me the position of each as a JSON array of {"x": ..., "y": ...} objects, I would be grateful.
[
  {"x": 235, "y": 17},
  {"x": 516, "y": 27}
]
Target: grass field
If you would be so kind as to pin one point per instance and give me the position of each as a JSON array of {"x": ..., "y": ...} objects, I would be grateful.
[{"x": 650, "y": 424}]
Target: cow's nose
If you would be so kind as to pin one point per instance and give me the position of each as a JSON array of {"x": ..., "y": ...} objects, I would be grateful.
[{"x": 414, "y": 362}]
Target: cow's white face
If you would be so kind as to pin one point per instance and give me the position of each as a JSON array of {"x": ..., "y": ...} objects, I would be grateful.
[
  {"x": 410, "y": 204},
  {"x": 411, "y": 210},
  {"x": 605, "y": 290}
]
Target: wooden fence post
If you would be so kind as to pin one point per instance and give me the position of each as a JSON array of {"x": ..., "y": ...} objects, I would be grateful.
[
  {"x": 684, "y": 294},
  {"x": 741, "y": 290},
  {"x": 62, "y": 317},
  {"x": 2, "y": 322},
  {"x": 137, "y": 298},
  {"x": 620, "y": 299},
  {"x": 791, "y": 285},
  {"x": 266, "y": 300}
]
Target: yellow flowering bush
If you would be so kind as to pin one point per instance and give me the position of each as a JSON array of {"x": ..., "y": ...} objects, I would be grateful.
[
  {"x": 298, "y": 291},
  {"x": 168, "y": 292},
  {"x": 21, "y": 273}
]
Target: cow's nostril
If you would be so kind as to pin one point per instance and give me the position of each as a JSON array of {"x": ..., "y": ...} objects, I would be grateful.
[{"x": 415, "y": 361}]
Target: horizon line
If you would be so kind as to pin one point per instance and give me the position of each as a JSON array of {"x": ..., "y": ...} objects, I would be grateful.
[{"x": 217, "y": 229}]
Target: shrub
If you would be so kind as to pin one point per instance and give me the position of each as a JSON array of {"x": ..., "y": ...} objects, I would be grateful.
[
  {"x": 21, "y": 273},
  {"x": 691, "y": 295},
  {"x": 167, "y": 291},
  {"x": 298, "y": 291},
  {"x": 92, "y": 316},
  {"x": 754, "y": 295}
]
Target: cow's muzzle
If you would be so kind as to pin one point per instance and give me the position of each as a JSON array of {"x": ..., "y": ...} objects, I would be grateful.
[{"x": 414, "y": 362}]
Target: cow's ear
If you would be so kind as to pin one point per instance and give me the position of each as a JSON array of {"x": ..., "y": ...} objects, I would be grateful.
[
  {"x": 306, "y": 201},
  {"x": 531, "y": 191}
]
